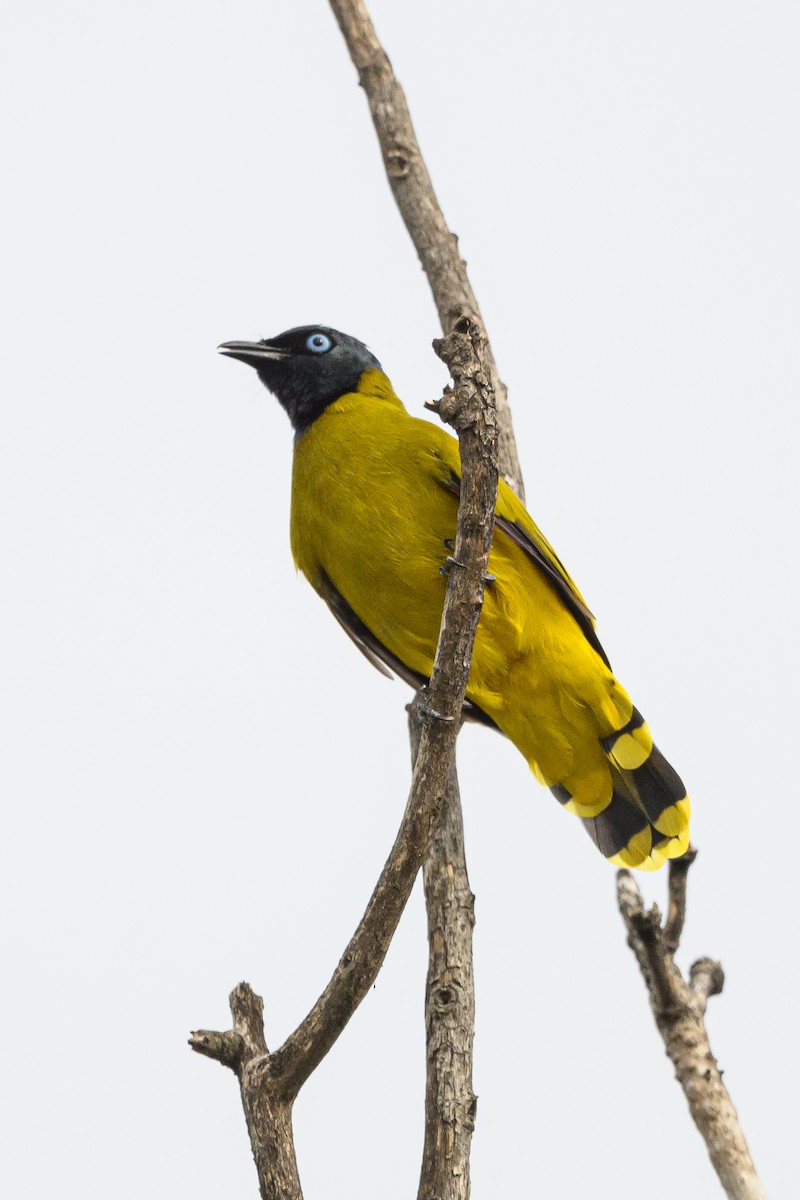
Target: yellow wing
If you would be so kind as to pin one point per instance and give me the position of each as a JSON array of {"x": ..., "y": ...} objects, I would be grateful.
[{"x": 513, "y": 519}]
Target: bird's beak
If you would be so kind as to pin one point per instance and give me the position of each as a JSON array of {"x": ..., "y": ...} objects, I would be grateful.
[{"x": 252, "y": 353}]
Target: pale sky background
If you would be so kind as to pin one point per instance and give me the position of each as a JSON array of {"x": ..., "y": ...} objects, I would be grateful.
[{"x": 201, "y": 777}]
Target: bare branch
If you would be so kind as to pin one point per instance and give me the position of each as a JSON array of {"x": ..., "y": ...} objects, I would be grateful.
[
  {"x": 450, "y": 1103},
  {"x": 706, "y": 979},
  {"x": 645, "y": 938},
  {"x": 267, "y": 1113},
  {"x": 449, "y": 1006},
  {"x": 679, "y": 1013},
  {"x": 676, "y": 913},
  {"x": 245, "y": 1041},
  {"x": 247, "y": 1010},
  {"x": 226, "y": 1048},
  {"x": 411, "y": 185}
]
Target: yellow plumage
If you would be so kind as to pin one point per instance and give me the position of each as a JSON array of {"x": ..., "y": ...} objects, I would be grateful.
[
  {"x": 374, "y": 514},
  {"x": 373, "y": 511}
]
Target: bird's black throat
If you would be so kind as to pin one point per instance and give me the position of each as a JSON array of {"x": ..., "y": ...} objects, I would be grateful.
[
  {"x": 304, "y": 390},
  {"x": 306, "y": 369}
]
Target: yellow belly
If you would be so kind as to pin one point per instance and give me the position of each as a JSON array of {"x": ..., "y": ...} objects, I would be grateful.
[{"x": 371, "y": 509}]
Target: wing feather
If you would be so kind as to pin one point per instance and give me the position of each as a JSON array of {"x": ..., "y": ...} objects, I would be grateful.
[
  {"x": 374, "y": 650},
  {"x": 512, "y": 519}
]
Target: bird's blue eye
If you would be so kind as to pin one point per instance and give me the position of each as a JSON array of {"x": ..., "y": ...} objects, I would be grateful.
[{"x": 319, "y": 343}]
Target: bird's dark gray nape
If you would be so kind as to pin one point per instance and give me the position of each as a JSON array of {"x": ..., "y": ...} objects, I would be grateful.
[{"x": 306, "y": 368}]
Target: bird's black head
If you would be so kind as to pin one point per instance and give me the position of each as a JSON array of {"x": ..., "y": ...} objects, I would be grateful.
[{"x": 306, "y": 368}]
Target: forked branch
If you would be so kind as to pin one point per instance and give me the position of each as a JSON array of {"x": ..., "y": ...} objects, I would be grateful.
[
  {"x": 679, "y": 1010},
  {"x": 269, "y": 1082}
]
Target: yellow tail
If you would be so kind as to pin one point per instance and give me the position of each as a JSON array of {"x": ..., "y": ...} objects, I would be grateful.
[{"x": 647, "y": 819}]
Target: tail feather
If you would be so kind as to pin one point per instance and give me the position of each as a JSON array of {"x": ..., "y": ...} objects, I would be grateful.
[{"x": 646, "y": 820}]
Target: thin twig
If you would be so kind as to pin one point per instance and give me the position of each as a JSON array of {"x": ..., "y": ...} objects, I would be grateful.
[
  {"x": 268, "y": 1114},
  {"x": 676, "y": 913},
  {"x": 706, "y": 979},
  {"x": 679, "y": 1011},
  {"x": 450, "y": 1102}
]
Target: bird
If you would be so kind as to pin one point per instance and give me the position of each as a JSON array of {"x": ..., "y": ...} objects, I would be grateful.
[{"x": 373, "y": 520}]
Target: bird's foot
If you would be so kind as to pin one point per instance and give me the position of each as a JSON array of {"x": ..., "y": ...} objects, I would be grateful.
[{"x": 426, "y": 711}]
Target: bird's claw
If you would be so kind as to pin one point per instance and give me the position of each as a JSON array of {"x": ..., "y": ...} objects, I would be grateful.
[
  {"x": 427, "y": 711},
  {"x": 448, "y": 563}
]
